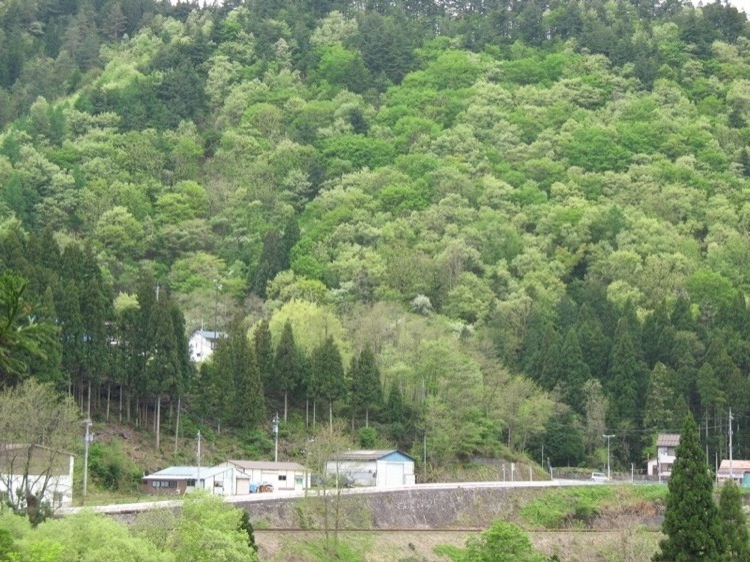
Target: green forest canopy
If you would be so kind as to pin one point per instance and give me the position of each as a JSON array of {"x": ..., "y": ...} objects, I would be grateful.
[{"x": 535, "y": 214}]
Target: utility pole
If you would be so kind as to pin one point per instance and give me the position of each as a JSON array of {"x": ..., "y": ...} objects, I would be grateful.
[
  {"x": 86, "y": 440},
  {"x": 731, "y": 472},
  {"x": 198, "y": 480},
  {"x": 276, "y": 437},
  {"x": 608, "y": 437}
]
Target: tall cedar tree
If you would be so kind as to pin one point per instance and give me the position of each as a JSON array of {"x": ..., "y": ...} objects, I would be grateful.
[
  {"x": 264, "y": 356},
  {"x": 733, "y": 523},
  {"x": 96, "y": 311},
  {"x": 574, "y": 372},
  {"x": 627, "y": 377},
  {"x": 286, "y": 365},
  {"x": 235, "y": 361},
  {"x": 366, "y": 391},
  {"x": 163, "y": 367},
  {"x": 275, "y": 256},
  {"x": 329, "y": 376},
  {"x": 691, "y": 521}
]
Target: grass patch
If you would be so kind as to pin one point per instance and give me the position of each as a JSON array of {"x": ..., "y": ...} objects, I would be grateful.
[
  {"x": 577, "y": 507},
  {"x": 573, "y": 507},
  {"x": 349, "y": 549}
]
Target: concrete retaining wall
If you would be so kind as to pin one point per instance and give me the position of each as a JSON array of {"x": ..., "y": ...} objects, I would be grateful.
[{"x": 411, "y": 508}]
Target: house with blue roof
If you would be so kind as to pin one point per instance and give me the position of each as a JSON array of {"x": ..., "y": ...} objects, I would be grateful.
[
  {"x": 380, "y": 468},
  {"x": 179, "y": 480}
]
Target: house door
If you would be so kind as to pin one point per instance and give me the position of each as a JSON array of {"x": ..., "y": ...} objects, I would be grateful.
[{"x": 394, "y": 474}]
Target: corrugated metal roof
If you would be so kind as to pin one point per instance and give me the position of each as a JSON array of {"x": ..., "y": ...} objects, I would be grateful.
[
  {"x": 209, "y": 335},
  {"x": 186, "y": 472},
  {"x": 268, "y": 465},
  {"x": 737, "y": 465},
  {"x": 367, "y": 455},
  {"x": 668, "y": 440}
]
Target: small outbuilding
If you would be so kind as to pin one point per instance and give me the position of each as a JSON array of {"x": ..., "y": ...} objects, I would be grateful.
[
  {"x": 380, "y": 468},
  {"x": 283, "y": 476},
  {"x": 178, "y": 480}
]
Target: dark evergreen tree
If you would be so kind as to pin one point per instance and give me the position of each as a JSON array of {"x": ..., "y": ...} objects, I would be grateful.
[
  {"x": 691, "y": 521},
  {"x": 733, "y": 523},
  {"x": 263, "y": 346},
  {"x": 626, "y": 382},
  {"x": 329, "y": 374},
  {"x": 366, "y": 390},
  {"x": 163, "y": 369},
  {"x": 271, "y": 262},
  {"x": 286, "y": 366},
  {"x": 72, "y": 333},
  {"x": 236, "y": 367},
  {"x": 653, "y": 328},
  {"x": 597, "y": 346},
  {"x": 573, "y": 371}
]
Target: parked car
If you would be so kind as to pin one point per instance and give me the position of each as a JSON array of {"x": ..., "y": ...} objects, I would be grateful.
[{"x": 599, "y": 477}]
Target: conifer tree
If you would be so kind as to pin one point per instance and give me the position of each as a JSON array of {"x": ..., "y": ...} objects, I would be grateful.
[
  {"x": 691, "y": 521},
  {"x": 733, "y": 523},
  {"x": 574, "y": 372},
  {"x": 163, "y": 369},
  {"x": 286, "y": 365},
  {"x": 264, "y": 354},
  {"x": 626, "y": 384},
  {"x": 365, "y": 380},
  {"x": 329, "y": 374},
  {"x": 238, "y": 379}
]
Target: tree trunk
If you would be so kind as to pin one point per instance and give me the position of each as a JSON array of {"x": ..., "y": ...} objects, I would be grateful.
[
  {"x": 158, "y": 421},
  {"x": 286, "y": 394},
  {"x": 315, "y": 404},
  {"x": 307, "y": 413},
  {"x": 88, "y": 400},
  {"x": 120, "y": 413},
  {"x": 177, "y": 425},
  {"x": 109, "y": 397},
  {"x": 367, "y": 417},
  {"x": 330, "y": 415}
]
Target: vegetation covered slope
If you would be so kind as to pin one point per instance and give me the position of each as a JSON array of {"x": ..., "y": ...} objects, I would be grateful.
[{"x": 534, "y": 215}]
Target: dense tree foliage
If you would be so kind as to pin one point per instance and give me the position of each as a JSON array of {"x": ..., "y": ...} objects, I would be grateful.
[
  {"x": 206, "y": 528},
  {"x": 691, "y": 521},
  {"x": 531, "y": 219}
]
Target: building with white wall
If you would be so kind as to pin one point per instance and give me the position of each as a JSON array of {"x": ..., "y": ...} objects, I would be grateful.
[{"x": 381, "y": 468}]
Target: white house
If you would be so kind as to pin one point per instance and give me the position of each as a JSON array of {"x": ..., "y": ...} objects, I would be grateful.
[
  {"x": 666, "y": 445},
  {"x": 42, "y": 470},
  {"x": 203, "y": 343},
  {"x": 381, "y": 468},
  {"x": 284, "y": 476},
  {"x": 178, "y": 480},
  {"x": 737, "y": 470}
]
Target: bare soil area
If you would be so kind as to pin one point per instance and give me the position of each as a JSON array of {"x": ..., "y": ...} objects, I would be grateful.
[{"x": 624, "y": 545}]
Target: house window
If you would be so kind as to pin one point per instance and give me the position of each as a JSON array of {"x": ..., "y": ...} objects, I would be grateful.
[
  {"x": 191, "y": 482},
  {"x": 282, "y": 477},
  {"x": 164, "y": 484},
  {"x": 297, "y": 480}
]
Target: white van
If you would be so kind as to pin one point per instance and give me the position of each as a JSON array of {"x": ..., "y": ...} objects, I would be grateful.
[{"x": 599, "y": 477}]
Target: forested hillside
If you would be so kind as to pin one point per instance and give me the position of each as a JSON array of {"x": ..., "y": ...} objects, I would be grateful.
[{"x": 489, "y": 227}]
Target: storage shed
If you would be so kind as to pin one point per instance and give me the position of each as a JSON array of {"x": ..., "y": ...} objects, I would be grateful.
[
  {"x": 381, "y": 468},
  {"x": 284, "y": 476}
]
